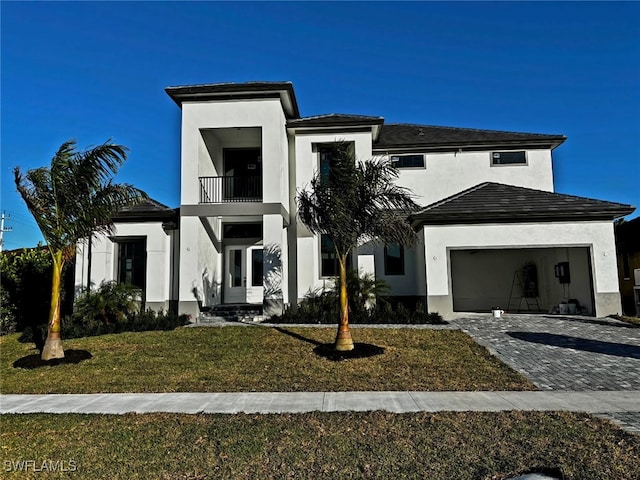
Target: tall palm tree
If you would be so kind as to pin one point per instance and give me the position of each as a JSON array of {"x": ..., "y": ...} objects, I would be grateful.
[
  {"x": 70, "y": 200},
  {"x": 356, "y": 201}
]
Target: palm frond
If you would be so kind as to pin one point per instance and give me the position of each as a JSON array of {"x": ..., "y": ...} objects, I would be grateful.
[
  {"x": 359, "y": 200},
  {"x": 76, "y": 194}
]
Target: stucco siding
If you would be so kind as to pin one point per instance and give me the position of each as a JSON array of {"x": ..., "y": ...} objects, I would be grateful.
[
  {"x": 596, "y": 236},
  {"x": 445, "y": 174}
]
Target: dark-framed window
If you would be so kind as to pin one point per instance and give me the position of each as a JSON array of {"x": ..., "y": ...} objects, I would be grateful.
[
  {"x": 132, "y": 262},
  {"x": 394, "y": 259},
  {"x": 509, "y": 158},
  {"x": 329, "y": 265},
  {"x": 257, "y": 267},
  {"x": 328, "y": 258},
  {"x": 327, "y": 154},
  {"x": 407, "y": 161}
]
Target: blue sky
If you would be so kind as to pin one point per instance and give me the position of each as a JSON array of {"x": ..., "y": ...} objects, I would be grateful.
[{"x": 94, "y": 71}]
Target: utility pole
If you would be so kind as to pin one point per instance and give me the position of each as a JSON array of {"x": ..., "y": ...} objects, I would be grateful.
[{"x": 3, "y": 228}]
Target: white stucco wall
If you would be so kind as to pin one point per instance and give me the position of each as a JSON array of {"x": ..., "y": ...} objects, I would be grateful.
[
  {"x": 597, "y": 236},
  {"x": 445, "y": 174},
  {"x": 105, "y": 258},
  {"x": 265, "y": 114},
  {"x": 200, "y": 267},
  {"x": 306, "y": 165}
]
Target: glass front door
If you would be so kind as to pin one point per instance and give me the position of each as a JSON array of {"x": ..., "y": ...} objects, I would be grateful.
[{"x": 244, "y": 274}]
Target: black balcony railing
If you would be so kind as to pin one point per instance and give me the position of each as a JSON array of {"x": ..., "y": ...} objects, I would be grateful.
[{"x": 230, "y": 189}]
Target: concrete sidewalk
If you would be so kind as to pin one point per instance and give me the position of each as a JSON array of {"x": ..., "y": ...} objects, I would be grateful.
[{"x": 596, "y": 402}]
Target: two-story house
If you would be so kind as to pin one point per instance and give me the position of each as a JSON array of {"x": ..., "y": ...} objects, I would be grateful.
[{"x": 492, "y": 231}]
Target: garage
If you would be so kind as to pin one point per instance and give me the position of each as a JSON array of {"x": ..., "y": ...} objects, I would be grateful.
[{"x": 535, "y": 280}]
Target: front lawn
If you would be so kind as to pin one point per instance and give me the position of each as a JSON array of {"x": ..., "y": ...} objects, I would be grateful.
[
  {"x": 441, "y": 446},
  {"x": 244, "y": 359}
]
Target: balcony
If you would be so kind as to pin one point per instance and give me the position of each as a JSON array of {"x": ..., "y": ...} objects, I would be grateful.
[{"x": 230, "y": 189}]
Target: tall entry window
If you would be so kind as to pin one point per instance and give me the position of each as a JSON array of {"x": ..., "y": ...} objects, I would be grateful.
[
  {"x": 132, "y": 262},
  {"x": 328, "y": 257}
]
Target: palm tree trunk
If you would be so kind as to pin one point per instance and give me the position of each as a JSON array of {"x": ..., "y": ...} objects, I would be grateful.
[
  {"x": 53, "y": 346},
  {"x": 344, "y": 342}
]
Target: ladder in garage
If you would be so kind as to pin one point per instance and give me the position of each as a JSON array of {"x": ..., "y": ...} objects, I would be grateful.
[{"x": 522, "y": 291}]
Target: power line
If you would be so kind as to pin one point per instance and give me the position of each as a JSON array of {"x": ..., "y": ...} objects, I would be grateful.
[{"x": 3, "y": 229}]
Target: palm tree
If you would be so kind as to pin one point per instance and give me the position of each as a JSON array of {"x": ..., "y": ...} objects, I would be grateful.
[
  {"x": 356, "y": 201},
  {"x": 70, "y": 200}
]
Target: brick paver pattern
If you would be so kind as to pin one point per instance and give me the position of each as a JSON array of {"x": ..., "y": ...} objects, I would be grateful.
[{"x": 565, "y": 353}]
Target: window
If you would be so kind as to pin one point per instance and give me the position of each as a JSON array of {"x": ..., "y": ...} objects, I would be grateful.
[
  {"x": 327, "y": 155},
  {"x": 132, "y": 262},
  {"x": 329, "y": 265},
  {"x": 328, "y": 258},
  {"x": 257, "y": 267},
  {"x": 626, "y": 267},
  {"x": 394, "y": 260},
  {"x": 235, "y": 268},
  {"x": 508, "y": 158},
  {"x": 407, "y": 161}
]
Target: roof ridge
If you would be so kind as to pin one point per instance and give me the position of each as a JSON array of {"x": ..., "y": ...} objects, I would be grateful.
[
  {"x": 220, "y": 84},
  {"x": 472, "y": 129},
  {"x": 325, "y": 115}
]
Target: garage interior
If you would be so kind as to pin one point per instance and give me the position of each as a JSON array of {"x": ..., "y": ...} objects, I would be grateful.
[{"x": 522, "y": 280}]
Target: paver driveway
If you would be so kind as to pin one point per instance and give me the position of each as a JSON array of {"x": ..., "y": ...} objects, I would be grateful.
[
  {"x": 562, "y": 353},
  {"x": 565, "y": 353}
]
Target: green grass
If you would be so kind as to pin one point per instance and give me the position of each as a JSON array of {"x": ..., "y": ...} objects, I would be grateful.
[
  {"x": 628, "y": 319},
  {"x": 243, "y": 359},
  {"x": 440, "y": 446}
]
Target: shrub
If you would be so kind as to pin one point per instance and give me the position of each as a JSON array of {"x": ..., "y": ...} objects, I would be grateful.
[
  {"x": 25, "y": 276},
  {"x": 111, "y": 303},
  {"x": 368, "y": 304}
]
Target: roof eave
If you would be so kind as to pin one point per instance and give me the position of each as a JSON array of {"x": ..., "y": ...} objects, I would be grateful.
[
  {"x": 222, "y": 91},
  {"x": 523, "y": 143},
  {"x": 525, "y": 217}
]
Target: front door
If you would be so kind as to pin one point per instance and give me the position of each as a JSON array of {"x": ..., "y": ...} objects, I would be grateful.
[{"x": 243, "y": 282}]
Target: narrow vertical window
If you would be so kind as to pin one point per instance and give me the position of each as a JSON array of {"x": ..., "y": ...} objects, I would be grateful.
[
  {"x": 235, "y": 267},
  {"x": 257, "y": 267},
  {"x": 328, "y": 257},
  {"x": 393, "y": 260}
]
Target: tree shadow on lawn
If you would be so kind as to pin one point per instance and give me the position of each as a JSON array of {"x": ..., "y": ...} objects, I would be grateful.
[
  {"x": 327, "y": 350},
  {"x": 31, "y": 362}
]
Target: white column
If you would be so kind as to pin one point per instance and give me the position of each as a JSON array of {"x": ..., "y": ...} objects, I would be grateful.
[
  {"x": 275, "y": 254},
  {"x": 189, "y": 271}
]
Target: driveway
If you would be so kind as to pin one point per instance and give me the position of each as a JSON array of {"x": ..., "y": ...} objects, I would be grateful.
[
  {"x": 562, "y": 353},
  {"x": 565, "y": 353}
]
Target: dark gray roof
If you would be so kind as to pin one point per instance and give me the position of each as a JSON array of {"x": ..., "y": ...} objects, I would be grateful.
[
  {"x": 403, "y": 135},
  {"x": 335, "y": 119},
  {"x": 147, "y": 211},
  {"x": 232, "y": 90},
  {"x": 494, "y": 202}
]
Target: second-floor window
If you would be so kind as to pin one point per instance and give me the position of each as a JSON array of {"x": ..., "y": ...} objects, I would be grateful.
[
  {"x": 327, "y": 154},
  {"x": 407, "y": 161},
  {"x": 509, "y": 158}
]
